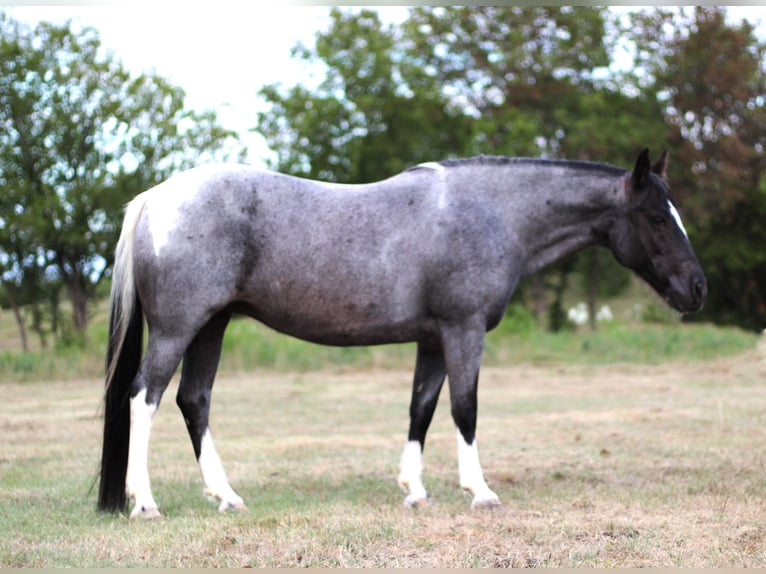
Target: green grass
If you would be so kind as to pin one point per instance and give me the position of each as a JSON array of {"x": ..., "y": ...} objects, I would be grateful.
[
  {"x": 619, "y": 342},
  {"x": 249, "y": 345}
]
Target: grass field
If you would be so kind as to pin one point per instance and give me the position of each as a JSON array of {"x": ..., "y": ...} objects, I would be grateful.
[{"x": 620, "y": 464}]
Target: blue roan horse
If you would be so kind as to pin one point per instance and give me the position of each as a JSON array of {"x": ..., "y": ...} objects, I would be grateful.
[{"x": 431, "y": 255}]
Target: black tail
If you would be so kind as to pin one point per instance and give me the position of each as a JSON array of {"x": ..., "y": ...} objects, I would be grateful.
[{"x": 123, "y": 358}]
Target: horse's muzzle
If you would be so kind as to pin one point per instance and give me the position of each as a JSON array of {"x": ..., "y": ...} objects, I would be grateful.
[
  {"x": 698, "y": 290},
  {"x": 686, "y": 295}
]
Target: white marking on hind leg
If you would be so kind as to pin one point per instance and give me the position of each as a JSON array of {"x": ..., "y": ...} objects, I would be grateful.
[
  {"x": 137, "y": 478},
  {"x": 410, "y": 471},
  {"x": 214, "y": 478},
  {"x": 471, "y": 475}
]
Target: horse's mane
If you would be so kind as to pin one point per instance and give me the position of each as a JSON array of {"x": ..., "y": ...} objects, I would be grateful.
[{"x": 498, "y": 160}]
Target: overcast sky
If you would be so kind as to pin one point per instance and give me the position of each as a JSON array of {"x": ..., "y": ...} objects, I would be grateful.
[{"x": 220, "y": 55}]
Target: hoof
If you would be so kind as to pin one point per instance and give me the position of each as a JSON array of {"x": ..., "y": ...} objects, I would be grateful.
[
  {"x": 483, "y": 498},
  {"x": 486, "y": 504},
  {"x": 417, "y": 502},
  {"x": 235, "y": 507},
  {"x": 143, "y": 513}
]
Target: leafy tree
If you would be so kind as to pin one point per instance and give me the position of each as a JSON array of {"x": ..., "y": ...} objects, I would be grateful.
[
  {"x": 515, "y": 67},
  {"x": 79, "y": 137},
  {"x": 372, "y": 116}
]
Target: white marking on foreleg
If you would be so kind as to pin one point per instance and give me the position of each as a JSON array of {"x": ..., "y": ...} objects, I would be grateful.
[
  {"x": 677, "y": 217},
  {"x": 471, "y": 475},
  {"x": 214, "y": 478},
  {"x": 410, "y": 472},
  {"x": 137, "y": 477}
]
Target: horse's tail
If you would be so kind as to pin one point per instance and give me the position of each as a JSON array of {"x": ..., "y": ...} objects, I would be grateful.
[{"x": 122, "y": 360}]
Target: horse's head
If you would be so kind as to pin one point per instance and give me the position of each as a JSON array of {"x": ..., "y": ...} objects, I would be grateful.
[{"x": 649, "y": 238}]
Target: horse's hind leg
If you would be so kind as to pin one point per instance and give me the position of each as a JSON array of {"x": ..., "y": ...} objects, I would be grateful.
[
  {"x": 157, "y": 367},
  {"x": 428, "y": 380},
  {"x": 194, "y": 394}
]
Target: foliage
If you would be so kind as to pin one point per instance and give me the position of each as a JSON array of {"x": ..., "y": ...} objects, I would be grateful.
[
  {"x": 515, "y": 67},
  {"x": 79, "y": 138},
  {"x": 372, "y": 116}
]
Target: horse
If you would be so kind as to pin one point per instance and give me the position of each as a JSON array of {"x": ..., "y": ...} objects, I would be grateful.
[{"x": 431, "y": 255}]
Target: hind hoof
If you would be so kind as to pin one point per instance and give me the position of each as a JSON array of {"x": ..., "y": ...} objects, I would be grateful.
[
  {"x": 486, "y": 504},
  {"x": 143, "y": 513},
  {"x": 235, "y": 507},
  {"x": 416, "y": 502}
]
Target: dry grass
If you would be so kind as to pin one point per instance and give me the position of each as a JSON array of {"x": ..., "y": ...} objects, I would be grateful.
[{"x": 597, "y": 466}]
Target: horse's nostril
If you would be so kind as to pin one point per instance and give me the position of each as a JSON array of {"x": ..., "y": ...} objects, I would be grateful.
[{"x": 699, "y": 288}]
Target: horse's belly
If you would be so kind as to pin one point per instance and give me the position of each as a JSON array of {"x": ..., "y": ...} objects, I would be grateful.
[{"x": 328, "y": 321}]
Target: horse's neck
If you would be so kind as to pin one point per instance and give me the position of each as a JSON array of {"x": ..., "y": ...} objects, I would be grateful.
[{"x": 554, "y": 210}]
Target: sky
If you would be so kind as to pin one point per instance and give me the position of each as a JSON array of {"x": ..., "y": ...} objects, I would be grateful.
[{"x": 221, "y": 56}]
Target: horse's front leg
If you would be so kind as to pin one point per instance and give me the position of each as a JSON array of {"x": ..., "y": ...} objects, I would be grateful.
[
  {"x": 429, "y": 377},
  {"x": 463, "y": 347}
]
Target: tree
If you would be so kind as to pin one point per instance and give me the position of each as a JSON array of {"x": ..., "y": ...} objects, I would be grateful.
[
  {"x": 79, "y": 137},
  {"x": 515, "y": 67},
  {"x": 373, "y": 115}
]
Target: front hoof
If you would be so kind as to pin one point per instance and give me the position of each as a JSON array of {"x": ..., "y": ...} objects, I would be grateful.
[{"x": 144, "y": 513}]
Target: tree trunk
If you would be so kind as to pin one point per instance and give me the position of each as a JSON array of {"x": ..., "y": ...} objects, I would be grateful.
[
  {"x": 18, "y": 316},
  {"x": 77, "y": 287},
  {"x": 538, "y": 296},
  {"x": 38, "y": 324},
  {"x": 557, "y": 317},
  {"x": 593, "y": 271},
  {"x": 79, "y": 297}
]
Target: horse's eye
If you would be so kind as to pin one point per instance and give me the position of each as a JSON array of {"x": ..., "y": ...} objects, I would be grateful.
[{"x": 657, "y": 221}]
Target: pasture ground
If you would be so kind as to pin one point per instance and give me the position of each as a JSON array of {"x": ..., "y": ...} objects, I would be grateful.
[{"x": 617, "y": 465}]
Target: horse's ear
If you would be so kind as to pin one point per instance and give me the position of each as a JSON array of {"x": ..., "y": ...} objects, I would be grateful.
[
  {"x": 660, "y": 166},
  {"x": 642, "y": 169}
]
